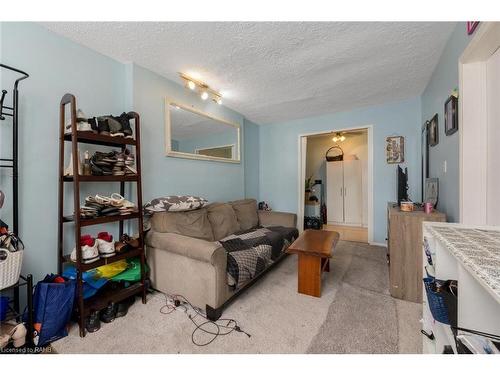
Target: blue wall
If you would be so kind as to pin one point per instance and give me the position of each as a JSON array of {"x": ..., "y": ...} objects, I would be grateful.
[
  {"x": 252, "y": 159},
  {"x": 56, "y": 66},
  {"x": 269, "y": 153},
  {"x": 216, "y": 181},
  {"x": 443, "y": 81},
  {"x": 279, "y": 154},
  {"x": 102, "y": 85}
]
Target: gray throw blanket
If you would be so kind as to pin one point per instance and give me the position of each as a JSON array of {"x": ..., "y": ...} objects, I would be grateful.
[{"x": 251, "y": 252}]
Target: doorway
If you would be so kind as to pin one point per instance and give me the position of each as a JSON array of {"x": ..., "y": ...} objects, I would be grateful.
[{"x": 336, "y": 182}]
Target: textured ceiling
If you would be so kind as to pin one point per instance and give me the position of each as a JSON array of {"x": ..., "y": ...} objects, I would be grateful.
[{"x": 274, "y": 72}]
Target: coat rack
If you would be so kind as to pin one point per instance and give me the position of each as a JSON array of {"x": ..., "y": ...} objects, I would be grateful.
[
  {"x": 13, "y": 111},
  {"x": 4, "y": 163}
]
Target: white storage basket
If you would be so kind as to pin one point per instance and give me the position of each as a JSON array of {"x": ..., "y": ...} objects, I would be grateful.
[{"x": 10, "y": 267}]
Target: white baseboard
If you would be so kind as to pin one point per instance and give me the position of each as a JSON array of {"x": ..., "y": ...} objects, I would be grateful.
[{"x": 383, "y": 244}]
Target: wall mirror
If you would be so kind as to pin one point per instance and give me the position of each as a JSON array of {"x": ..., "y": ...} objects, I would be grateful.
[{"x": 197, "y": 135}]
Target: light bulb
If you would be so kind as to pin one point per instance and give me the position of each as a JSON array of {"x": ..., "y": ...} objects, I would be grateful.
[
  {"x": 218, "y": 100},
  {"x": 335, "y": 139},
  {"x": 342, "y": 139},
  {"x": 204, "y": 95},
  {"x": 191, "y": 85}
]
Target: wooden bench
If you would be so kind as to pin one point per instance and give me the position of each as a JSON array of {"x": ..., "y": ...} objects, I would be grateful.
[{"x": 314, "y": 248}]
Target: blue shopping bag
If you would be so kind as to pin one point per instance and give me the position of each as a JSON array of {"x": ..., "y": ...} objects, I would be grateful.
[{"x": 53, "y": 305}]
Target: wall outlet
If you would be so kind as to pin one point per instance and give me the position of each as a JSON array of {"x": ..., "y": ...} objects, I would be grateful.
[{"x": 445, "y": 166}]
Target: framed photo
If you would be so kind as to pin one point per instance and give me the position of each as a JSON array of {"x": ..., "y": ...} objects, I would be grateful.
[
  {"x": 433, "y": 131},
  {"x": 395, "y": 149},
  {"x": 451, "y": 115}
]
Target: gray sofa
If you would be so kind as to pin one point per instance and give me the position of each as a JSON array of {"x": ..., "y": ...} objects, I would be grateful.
[{"x": 186, "y": 254}]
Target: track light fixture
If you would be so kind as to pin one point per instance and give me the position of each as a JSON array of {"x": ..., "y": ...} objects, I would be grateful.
[{"x": 202, "y": 88}]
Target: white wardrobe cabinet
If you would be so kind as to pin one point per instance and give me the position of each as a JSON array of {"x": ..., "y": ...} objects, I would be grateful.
[{"x": 344, "y": 192}]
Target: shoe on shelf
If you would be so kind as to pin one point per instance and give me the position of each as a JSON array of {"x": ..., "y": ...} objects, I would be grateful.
[
  {"x": 115, "y": 127},
  {"x": 117, "y": 200},
  {"x": 68, "y": 171},
  {"x": 127, "y": 243},
  {"x": 92, "y": 323},
  {"x": 129, "y": 170},
  {"x": 108, "y": 314},
  {"x": 125, "y": 121},
  {"x": 99, "y": 125},
  {"x": 133, "y": 242},
  {"x": 105, "y": 244},
  {"x": 82, "y": 124},
  {"x": 89, "y": 249},
  {"x": 123, "y": 306},
  {"x": 12, "y": 331}
]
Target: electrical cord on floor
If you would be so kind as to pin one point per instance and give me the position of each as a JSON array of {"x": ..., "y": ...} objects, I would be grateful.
[{"x": 222, "y": 327}]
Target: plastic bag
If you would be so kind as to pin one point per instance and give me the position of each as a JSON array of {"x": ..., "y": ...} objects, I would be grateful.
[
  {"x": 92, "y": 282},
  {"x": 109, "y": 270},
  {"x": 133, "y": 272}
]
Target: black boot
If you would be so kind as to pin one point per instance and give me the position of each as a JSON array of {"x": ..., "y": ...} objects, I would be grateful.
[
  {"x": 92, "y": 322},
  {"x": 108, "y": 314}
]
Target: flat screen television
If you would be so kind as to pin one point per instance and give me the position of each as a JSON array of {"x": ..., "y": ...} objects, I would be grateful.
[{"x": 402, "y": 184}]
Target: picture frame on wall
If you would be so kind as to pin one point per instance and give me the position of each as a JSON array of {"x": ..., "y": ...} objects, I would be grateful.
[
  {"x": 451, "y": 115},
  {"x": 471, "y": 27},
  {"x": 433, "y": 131},
  {"x": 395, "y": 149}
]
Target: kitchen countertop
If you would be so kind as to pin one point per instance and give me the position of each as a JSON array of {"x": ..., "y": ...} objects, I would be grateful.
[{"x": 477, "y": 249}]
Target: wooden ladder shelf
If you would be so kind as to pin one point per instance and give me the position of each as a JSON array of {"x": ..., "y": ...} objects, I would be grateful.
[{"x": 100, "y": 300}]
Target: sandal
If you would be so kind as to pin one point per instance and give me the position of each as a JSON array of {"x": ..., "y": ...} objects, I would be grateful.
[
  {"x": 117, "y": 200},
  {"x": 133, "y": 242},
  {"x": 102, "y": 199}
]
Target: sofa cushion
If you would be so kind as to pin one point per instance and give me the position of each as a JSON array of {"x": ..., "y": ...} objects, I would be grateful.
[
  {"x": 189, "y": 223},
  {"x": 223, "y": 220},
  {"x": 246, "y": 212}
]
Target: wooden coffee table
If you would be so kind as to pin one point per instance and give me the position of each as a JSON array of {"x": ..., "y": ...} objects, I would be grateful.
[{"x": 314, "y": 248}]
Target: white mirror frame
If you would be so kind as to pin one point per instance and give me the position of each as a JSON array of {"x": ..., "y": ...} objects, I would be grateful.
[{"x": 186, "y": 155}]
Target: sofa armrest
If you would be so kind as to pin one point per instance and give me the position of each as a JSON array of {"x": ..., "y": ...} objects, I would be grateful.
[
  {"x": 275, "y": 218},
  {"x": 194, "y": 248}
]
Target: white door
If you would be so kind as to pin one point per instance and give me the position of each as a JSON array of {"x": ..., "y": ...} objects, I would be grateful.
[
  {"x": 353, "y": 193},
  {"x": 334, "y": 192}
]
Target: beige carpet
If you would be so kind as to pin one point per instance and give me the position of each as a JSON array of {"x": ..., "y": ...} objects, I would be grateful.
[{"x": 354, "y": 315}]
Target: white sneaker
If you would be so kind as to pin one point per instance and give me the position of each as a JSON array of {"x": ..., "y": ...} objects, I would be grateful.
[
  {"x": 82, "y": 124},
  {"x": 105, "y": 244},
  {"x": 90, "y": 253}
]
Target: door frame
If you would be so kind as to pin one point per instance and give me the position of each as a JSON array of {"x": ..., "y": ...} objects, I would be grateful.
[
  {"x": 301, "y": 141},
  {"x": 473, "y": 123}
]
